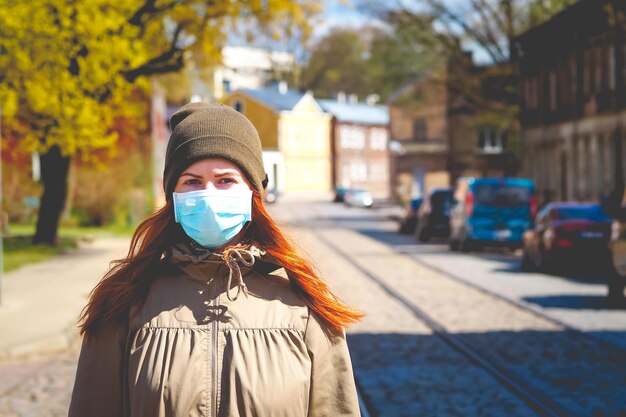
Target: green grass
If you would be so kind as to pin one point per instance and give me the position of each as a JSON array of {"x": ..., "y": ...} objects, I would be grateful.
[
  {"x": 75, "y": 232},
  {"x": 18, "y": 249}
]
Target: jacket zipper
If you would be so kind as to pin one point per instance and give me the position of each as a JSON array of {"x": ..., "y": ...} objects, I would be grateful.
[{"x": 214, "y": 340}]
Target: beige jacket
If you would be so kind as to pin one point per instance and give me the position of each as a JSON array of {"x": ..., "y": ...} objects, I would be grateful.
[{"x": 196, "y": 349}]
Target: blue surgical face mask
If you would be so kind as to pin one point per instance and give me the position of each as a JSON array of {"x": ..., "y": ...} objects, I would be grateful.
[{"x": 213, "y": 218}]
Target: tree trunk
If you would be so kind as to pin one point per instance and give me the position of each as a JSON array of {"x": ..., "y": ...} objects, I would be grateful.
[{"x": 54, "y": 170}]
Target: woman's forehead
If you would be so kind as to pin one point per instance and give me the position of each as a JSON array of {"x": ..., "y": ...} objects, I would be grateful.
[{"x": 212, "y": 165}]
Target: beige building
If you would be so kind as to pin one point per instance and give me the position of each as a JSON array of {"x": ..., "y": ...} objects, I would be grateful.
[{"x": 295, "y": 135}]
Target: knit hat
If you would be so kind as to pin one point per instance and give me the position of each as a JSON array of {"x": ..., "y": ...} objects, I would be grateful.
[{"x": 200, "y": 131}]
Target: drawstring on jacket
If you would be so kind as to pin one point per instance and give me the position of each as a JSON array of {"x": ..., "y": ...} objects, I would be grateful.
[
  {"x": 191, "y": 256},
  {"x": 232, "y": 256}
]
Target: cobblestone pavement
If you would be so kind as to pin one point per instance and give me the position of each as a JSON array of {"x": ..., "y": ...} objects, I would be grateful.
[
  {"x": 401, "y": 367},
  {"x": 37, "y": 387},
  {"x": 585, "y": 376}
]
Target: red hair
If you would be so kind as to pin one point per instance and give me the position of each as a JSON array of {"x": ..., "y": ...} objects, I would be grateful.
[
  {"x": 128, "y": 281},
  {"x": 305, "y": 282}
]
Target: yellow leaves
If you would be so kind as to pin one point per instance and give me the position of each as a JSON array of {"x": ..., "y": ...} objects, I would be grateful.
[
  {"x": 62, "y": 64},
  {"x": 9, "y": 99}
]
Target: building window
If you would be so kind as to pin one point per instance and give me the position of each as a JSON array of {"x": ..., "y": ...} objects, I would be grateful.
[
  {"x": 611, "y": 58},
  {"x": 553, "y": 90},
  {"x": 226, "y": 86},
  {"x": 587, "y": 72},
  {"x": 352, "y": 137},
  {"x": 573, "y": 78},
  {"x": 378, "y": 139},
  {"x": 491, "y": 140},
  {"x": 419, "y": 128},
  {"x": 599, "y": 68},
  {"x": 238, "y": 105},
  {"x": 530, "y": 92}
]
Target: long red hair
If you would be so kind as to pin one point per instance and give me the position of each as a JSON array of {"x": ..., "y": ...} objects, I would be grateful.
[{"x": 128, "y": 281}]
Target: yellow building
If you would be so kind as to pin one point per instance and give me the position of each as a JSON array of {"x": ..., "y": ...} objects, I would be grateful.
[{"x": 295, "y": 134}]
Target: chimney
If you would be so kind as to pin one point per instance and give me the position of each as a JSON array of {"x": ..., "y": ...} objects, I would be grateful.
[
  {"x": 372, "y": 99},
  {"x": 341, "y": 97},
  {"x": 353, "y": 99}
]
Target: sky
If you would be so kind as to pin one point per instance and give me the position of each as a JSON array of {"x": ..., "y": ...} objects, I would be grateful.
[
  {"x": 339, "y": 13},
  {"x": 344, "y": 13}
]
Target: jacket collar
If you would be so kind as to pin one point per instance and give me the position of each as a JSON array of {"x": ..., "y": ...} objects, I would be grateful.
[{"x": 203, "y": 265}]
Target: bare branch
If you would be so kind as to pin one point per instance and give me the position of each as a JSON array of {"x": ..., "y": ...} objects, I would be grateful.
[
  {"x": 494, "y": 14},
  {"x": 445, "y": 13},
  {"x": 149, "y": 7},
  {"x": 170, "y": 60},
  {"x": 487, "y": 15}
]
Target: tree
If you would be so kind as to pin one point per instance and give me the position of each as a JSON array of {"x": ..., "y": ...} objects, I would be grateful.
[
  {"x": 67, "y": 69},
  {"x": 402, "y": 51},
  {"x": 336, "y": 63},
  {"x": 370, "y": 59},
  {"x": 489, "y": 26}
]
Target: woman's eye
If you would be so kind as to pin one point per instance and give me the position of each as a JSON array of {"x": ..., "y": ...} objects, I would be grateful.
[
  {"x": 192, "y": 181},
  {"x": 227, "y": 181}
]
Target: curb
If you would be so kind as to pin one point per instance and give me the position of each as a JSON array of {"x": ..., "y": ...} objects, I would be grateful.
[{"x": 54, "y": 343}]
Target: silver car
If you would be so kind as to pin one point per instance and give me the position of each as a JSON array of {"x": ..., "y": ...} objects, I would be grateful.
[{"x": 358, "y": 198}]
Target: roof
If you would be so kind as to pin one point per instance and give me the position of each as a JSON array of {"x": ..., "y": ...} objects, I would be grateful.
[
  {"x": 407, "y": 87},
  {"x": 273, "y": 98},
  {"x": 359, "y": 113},
  {"x": 580, "y": 13}
]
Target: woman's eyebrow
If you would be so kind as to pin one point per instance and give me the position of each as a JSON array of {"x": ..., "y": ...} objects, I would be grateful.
[
  {"x": 191, "y": 175},
  {"x": 228, "y": 172}
]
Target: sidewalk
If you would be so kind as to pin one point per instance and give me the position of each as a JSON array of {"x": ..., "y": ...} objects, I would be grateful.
[{"x": 41, "y": 303}]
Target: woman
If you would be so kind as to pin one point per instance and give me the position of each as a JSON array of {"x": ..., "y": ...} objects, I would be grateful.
[{"x": 212, "y": 313}]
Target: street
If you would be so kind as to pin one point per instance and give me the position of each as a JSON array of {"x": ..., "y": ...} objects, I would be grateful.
[{"x": 445, "y": 334}]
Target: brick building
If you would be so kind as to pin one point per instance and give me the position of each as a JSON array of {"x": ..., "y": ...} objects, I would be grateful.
[
  {"x": 359, "y": 139},
  {"x": 418, "y": 135},
  {"x": 573, "y": 109},
  {"x": 442, "y": 127}
]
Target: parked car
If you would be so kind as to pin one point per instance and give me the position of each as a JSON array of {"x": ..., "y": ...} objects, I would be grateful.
[
  {"x": 358, "y": 197},
  {"x": 567, "y": 234},
  {"x": 409, "y": 221},
  {"x": 271, "y": 196},
  {"x": 491, "y": 212},
  {"x": 340, "y": 193},
  {"x": 613, "y": 206},
  {"x": 434, "y": 215},
  {"x": 617, "y": 281}
]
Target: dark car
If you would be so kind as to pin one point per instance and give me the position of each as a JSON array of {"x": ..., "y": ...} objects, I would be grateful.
[
  {"x": 568, "y": 234},
  {"x": 434, "y": 215},
  {"x": 409, "y": 221},
  {"x": 340, "y": 193}
]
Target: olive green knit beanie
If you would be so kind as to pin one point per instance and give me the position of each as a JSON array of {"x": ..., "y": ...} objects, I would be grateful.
[{"x": 200, "y": 131}]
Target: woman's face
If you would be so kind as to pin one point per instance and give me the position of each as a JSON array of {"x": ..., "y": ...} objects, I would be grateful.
[{"x": 211, "y": 174}]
